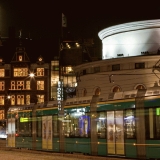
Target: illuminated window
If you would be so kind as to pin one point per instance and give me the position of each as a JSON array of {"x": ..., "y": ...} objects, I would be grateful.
[
  {"x": 40, "y": 85},
  {"x": 20, "y": 99},
  {"x": 40, "y": 71},
  {"x": 1, "y": 100},
  {"x": 28, "y": 85},
  {"x": 116, "y": 89},
  {"x": 20, "y": 58},
  {"x": 13, "y": 86},
  {"x": 20, "y": 72},
  {"x": 20, "y": 85},
  {"x": 12, "y": 99},
  {"x": 2, "y": 85},
  {"x": 27, "y": 99},
  {"x": 40, "y": 98},
  {"x": 97, "y": 91},
  {"x": 2, "y": 71},
  {"x": 140, "y": 87},
  {"x": 68, "y": 70},
  {"x": 1, "y": 114}
]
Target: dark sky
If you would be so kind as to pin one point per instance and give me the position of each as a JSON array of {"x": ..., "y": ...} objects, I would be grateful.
[{"x": 85, "y": 18}]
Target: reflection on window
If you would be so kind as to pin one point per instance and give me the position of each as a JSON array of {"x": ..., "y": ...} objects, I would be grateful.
[
  {"x": 40, "y": 98},
  {"x": 20, "y": 99},
  {"x": 2, "y": 84},
  {"x": 2, "y": 71},
  {"x": 101, "y": 125},
  {"x": 20, "y": 72},
  {"x": 40, "y": 85},
  {"x": 40, "y": 71},
  {"x": 1, "y": 100},
  {"x": 129, "y": 122},
  {"x": 77, "y": 124}
]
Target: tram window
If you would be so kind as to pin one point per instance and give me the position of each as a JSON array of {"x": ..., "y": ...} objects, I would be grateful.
[
  {"x": 25, "y": 127},
  {"x": 129, "y": 122},
  {"x": 77, "y": 124},
  {"x": 55, "y": 126},
  {"x": 101, "y": 125}
]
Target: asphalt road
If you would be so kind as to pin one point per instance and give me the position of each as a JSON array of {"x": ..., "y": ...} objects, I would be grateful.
[{"x": 24, "y": 154}]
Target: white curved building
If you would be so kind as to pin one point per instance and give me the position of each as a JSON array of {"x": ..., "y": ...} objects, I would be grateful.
[
  {"x": 130, "y": 39},
  {"x": 130, "y": 60}
]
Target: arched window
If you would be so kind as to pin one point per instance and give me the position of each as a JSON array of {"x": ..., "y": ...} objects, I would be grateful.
[
  {"x": 140, "y": 86},
  {"x": 84, "y": 93},
  {"x": 97, "y": 91},
  {"x": 116, "y": 89}
]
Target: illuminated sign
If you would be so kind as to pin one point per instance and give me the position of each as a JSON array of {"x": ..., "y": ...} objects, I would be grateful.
[
  {"x": 60, "y": 95},
  {"x": 24, "y": 119}
]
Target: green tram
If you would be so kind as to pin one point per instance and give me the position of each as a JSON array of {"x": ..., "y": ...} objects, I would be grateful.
[{"x": 120, "y": 127}]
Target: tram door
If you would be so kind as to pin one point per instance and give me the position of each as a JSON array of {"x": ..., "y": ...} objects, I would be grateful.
[
  {"x": 11, "y": 132},
  {"x": 115, "y": 133},
  {"x": 47, "y": 132}
]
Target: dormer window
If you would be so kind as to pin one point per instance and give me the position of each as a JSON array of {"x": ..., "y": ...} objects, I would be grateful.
[
  {"x": 40, "y": 59},
  {"x": 20, "y": 57}
]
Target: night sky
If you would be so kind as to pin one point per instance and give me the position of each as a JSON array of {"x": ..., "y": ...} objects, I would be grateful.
[{"x": 85, "y": 18}]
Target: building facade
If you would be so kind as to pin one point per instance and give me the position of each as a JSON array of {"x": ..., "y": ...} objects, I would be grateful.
[{"x": 23, "y": 82}]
